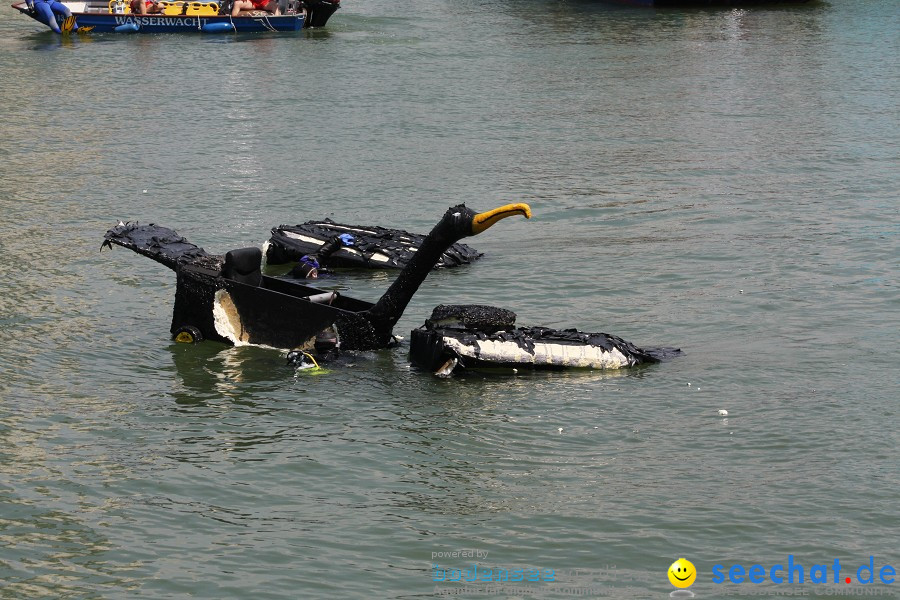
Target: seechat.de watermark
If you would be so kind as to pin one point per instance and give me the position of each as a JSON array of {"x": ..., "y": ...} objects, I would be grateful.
[
  {"x": 792, "y": 571},
  {"x": 790, "y": 577}
]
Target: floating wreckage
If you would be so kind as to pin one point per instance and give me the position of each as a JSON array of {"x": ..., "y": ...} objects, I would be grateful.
[
  {"x": 371, "y": 247},
  {"x": 229, "y": 299},
  {"x": 458, "y": 337}
]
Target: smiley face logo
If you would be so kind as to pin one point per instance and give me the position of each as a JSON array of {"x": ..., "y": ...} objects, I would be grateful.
[{"x": 682, "y": 573}]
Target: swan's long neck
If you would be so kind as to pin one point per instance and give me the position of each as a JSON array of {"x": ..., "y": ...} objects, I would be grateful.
[
  {"x": 389, "y": 308},
  {"x": 458, "y": 222}
]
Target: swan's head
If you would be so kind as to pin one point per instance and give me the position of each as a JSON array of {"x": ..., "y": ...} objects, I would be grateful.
[{"x": 461, "y": 221}]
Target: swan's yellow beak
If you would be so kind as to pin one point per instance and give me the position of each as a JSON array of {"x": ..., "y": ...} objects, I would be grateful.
[{"x": 486, "y": 219}]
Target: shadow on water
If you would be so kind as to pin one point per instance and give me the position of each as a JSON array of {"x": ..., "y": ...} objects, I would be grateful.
[
  {"x": 448, "y": 437},
  {"x": 211, "y": 371},
  {"x": 47, "y": 41},
  {"x": 471, "y": 445}
]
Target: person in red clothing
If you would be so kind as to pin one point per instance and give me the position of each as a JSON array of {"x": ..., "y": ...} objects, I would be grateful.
[
  {"x": 245, "y": 6},
  {"x": 146, "y": 7}
]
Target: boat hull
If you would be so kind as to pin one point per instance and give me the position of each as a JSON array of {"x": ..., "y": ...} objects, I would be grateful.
[
  {"x": 319, "y": 11},
  {"x": 109, "y": 23},
  {"x": 104, "y": 22}
]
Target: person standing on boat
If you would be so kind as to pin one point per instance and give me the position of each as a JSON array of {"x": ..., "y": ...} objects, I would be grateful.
[
  {"x": 47, "y": 11},
  {"x": 269, "y": 6}
]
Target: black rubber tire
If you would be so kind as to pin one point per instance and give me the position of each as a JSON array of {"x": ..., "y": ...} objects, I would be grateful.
[{"x": 187, "y": 334}]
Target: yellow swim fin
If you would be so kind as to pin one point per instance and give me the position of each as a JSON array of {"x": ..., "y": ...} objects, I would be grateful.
[{"x": 68, "y": 24}]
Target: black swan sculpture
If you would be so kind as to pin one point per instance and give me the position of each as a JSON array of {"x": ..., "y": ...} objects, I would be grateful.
[
  {"x": 459, "y": 337},
  {"x": 229, "y": 300}
]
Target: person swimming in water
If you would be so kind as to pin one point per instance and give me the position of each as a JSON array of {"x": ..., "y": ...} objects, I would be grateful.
[
  {"x": 310, "y": 265},
  {"x": 326, "y": 350}
]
